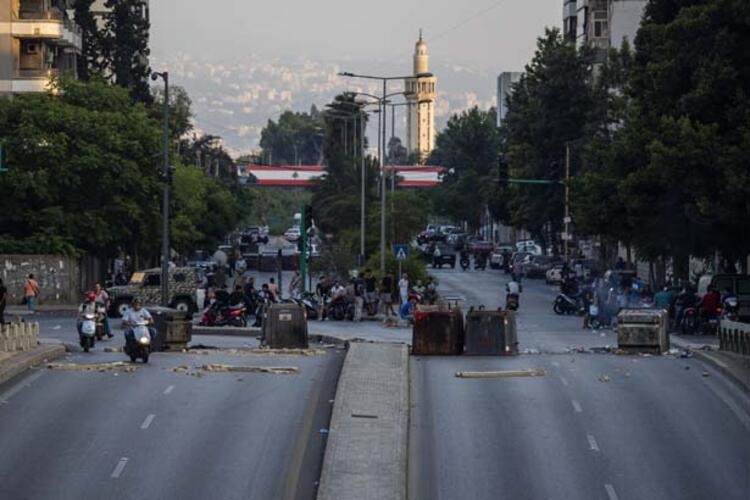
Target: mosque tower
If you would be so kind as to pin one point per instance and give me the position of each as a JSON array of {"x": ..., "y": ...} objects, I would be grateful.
[{"x": 420, "y": 93}]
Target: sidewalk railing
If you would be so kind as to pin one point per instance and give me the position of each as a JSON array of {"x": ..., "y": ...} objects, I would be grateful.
[
  {"x": 19, "y": 337},
  {"x": 734, "y": 337}
]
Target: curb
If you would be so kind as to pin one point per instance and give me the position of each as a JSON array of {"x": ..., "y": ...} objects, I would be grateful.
[
  {"x": 226, "y": 331},
  {"x": 22, "y": 362},
  {"x": 712, "y": 359},
  {"x": 366, "y": 453}
]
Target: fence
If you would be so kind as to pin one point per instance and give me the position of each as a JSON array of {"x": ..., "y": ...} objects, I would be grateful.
[
  {"x": 16, "y": 337},
  {"x": 734, "y": 337}
]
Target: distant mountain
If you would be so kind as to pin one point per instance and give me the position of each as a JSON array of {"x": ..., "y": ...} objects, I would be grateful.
[{"x": 236, "y": 98}]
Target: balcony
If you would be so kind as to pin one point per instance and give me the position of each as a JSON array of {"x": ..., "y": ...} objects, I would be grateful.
[{"x": 49, "y": 25}]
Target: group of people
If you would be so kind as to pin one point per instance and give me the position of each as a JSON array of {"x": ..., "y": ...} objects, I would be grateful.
[
  {"x": 367, "y": 294},
  {"x": 30, "y": 296}
]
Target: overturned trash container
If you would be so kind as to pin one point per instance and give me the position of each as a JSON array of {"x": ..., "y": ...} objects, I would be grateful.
[
  {"x": 174, "y": 329},
  {"x": 491, "y": 333},
  {"x": 642, "y": 330},
  {"x": 285, "y": 327},
  {"x": 438, "y": 330}
]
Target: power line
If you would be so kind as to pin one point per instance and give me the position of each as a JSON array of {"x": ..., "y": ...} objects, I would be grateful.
[{"x": 466, "y": 21}]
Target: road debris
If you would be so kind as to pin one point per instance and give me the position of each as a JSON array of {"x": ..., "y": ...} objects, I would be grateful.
[
  {"x": 93, "y": 367},
  {"x": 254, "y": 351},
  {"x": 275, "y": 370},
  {"x": 704, "y": 374},
  {"x": 502, "y": 374},
  {"x": 603, "y": 378},
  {"x": 112, "y": 349}
]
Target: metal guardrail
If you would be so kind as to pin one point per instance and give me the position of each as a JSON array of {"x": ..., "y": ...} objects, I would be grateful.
[{"x": 734, "y": 337}]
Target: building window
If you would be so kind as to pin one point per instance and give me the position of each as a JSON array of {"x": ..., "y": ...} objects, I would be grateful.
[{"x": 600, "y": 24}]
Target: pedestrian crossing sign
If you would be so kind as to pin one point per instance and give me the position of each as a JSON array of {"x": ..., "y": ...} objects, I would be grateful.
[{"x": 401, "y": 252}]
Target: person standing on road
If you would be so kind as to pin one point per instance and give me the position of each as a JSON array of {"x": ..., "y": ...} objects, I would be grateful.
[
  {"x": 274, "y": 288},
  {"x": 3, "y": 301},
  {"x": 295, "y": 285},
  {"x": 31, "y": 293},
  {"x": 403, "y": 288},
  {"x": 386, "y": 295},
  {"x": 371, "y": 293},
  {"x": 102, "y": 298}
]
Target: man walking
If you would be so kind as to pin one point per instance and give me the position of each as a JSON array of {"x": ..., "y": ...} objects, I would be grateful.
[
  {"x": 295, "y": 285},
  {"x": 30, "y": 293},
  {"x": 386, "y": 295}
]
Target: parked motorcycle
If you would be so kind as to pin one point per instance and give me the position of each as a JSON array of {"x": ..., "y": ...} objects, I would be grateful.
[
  {"x": 341, "y": 309},
  {"x": 731, "y": 308},
  {"x": 567, "y": 304},
  {"x": 141, "y": 346},
  {"x": 465, "y": 263},
  {"x": 219, "y": 314},
  {"x": 310, "y": 303},
  {"x": 480, "y": 262},
  {"x": 88, "y": 332}
]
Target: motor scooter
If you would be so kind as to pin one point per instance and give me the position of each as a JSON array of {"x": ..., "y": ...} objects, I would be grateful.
[
  {"x": 140, "y": 347},
  {"x": 88, "y": 331},
  {"x": 219, "y": 314},
  {"x": 512, "y": 302}
]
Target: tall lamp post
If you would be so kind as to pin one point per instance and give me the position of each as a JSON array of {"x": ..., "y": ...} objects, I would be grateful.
[
  {"x": 167, "y": 178},
  {"x": 385, "y": 80}
]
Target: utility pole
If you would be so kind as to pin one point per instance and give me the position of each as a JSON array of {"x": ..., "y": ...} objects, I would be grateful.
[
  {"x": 362, "y": 215},
  {"x": 566, "y": 220},
  {"x": 167, "y": 174},
  {"x": 382, "y": 184}
]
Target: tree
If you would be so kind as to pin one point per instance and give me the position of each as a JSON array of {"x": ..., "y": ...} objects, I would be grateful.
[
  {"x": 548, "y": 109},
  {"x": 469, "y": 145},
  {"x": 296, "y": 139},
  {"x": 126, "y": 49},
  {"x": 91, "y": 58},
  {"x": 82, "y": 167}
]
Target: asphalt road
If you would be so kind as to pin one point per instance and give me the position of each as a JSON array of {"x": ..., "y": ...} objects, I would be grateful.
[
  {"x": 161, "y": 433},
  {"x": 595, "y": 426}
]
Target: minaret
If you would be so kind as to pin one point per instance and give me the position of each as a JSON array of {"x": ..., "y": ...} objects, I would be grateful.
[{"x": 420, "y": 93}]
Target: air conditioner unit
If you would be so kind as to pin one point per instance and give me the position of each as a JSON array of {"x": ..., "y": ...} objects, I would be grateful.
[{"x": 32, "y": 48}]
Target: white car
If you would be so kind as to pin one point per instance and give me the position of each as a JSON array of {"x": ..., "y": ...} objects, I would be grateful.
[{"x": 292, "y": 234}]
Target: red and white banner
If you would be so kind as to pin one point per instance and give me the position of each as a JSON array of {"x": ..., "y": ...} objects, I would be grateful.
[{"x": 305, "y": 176}]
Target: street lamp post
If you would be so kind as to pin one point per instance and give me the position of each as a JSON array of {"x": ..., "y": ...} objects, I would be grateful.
[
  {"x": 385, "y": 80},
  {"x": 167, "y": 178}
]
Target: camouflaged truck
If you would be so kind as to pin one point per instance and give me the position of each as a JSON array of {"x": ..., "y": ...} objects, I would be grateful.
[{"x": 146, "y": 285}]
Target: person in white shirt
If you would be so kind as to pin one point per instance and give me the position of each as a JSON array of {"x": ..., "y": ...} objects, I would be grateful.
[
  {"x": 403, "y": 288},
  {"x": 133, "y": 317}
]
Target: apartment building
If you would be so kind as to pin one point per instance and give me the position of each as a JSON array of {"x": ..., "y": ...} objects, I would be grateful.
[
  {"x": 602, "y": 23},
  {"x": 100, "y": 10},
  {"x": 505, "y": 81},
  {"x": 38, "y": 41}
]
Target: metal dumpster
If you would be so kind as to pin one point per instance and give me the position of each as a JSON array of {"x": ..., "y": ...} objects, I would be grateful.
[
  {"x": 174, "y": 329},
  {"x": 285, "y": 327},
  {"x": 642, "y": 330},
  {"x": 491, "y": 333},
  {"x": 438, "y": 331}
]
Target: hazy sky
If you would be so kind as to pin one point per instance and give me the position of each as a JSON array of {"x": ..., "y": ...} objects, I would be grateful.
[{"x": 486, "y": 34}]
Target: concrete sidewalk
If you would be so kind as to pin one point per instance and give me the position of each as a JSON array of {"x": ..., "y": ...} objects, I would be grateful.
[
  {"x": 41, "y": 309},
  {"x": 706, "y": 348},
  {"x": 366, "y": 454},
  {"x": 22, "y": 361}
]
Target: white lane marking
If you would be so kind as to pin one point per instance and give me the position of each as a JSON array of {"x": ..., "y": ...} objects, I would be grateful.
[
  {"x": 20, "y": 386},
  {"x": 119, "y": 468},
  {"x": 564, "y": 381},
  {"x": 148, "y": 421},
  {"x": 168, "y": 390},
  {"x": 576, "y": 406},
  {"x": 593, "y": 446},
  {"x": 611, "y": 493}
]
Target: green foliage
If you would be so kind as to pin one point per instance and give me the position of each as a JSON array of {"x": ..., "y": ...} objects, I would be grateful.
[
  {"x": 82, "y": 167},
  {"x": 548, "y": 109},
  {"x": 90, "y": 59},
  {"x": 125, "y": 46},
  {"x": 275, "y": 207},
  {"x": 296, "y": 139},
  {"x": 469, "y": 145},
  {"x": 414, "y": 266}
]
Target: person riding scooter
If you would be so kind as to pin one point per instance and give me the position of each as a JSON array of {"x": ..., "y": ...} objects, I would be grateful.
[
  {"x": 512, "y": 297},
  {"x": 136, "y": 316},
  {"x": 89, "y": 308}
]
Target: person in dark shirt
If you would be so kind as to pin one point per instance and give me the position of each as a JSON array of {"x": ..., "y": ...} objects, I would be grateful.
[
  {"x": 3, "y": 301},
  {"x": 237, "y": 297}
]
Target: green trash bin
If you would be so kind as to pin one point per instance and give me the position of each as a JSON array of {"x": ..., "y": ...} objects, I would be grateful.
[{"x": 285, "y": 327}]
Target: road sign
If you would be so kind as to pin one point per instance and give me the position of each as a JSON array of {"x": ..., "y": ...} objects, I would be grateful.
[{"x": 401, "y": 252}]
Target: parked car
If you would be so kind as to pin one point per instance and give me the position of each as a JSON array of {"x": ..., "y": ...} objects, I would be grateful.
[
  {"x": 292, "y": 234},
  {"x": 536, "y": 266},
  {"x": 146, "y": 285},
  {"x": 447, "y": 256},
  {"x": 497, "y": 258},
  {"x": 254, "y": 235}
]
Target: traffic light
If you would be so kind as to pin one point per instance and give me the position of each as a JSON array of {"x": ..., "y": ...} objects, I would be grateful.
[{"x": 503, "y": 173}]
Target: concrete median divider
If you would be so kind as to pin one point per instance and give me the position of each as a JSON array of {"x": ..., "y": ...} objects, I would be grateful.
[
  {"x": 366, "y": 453},
  {"x": 21, "y": 336}
]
